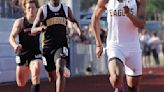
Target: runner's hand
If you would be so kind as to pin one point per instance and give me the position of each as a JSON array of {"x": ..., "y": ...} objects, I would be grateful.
[
  {"x": 18, "y": 48},
  {"x": 126, "y": 9},
  {"x": 67, "y": 72},
  {"x": 99, "y": 51},
  {"x": 43, "y": 28}
]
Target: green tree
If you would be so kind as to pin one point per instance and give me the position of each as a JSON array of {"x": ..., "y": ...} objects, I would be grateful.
[{"x": 154, "y": 7}]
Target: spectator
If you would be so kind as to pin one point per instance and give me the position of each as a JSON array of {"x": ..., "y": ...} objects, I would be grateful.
[
  {"x": 13, "y": 9},
  {"x": 103, "y": 35},
  {"x": 155, "y": 47},
  {"x": 163, "y": 47},
  {"x": 85, "y": 37},
  {"x": 144, "y": 38}
]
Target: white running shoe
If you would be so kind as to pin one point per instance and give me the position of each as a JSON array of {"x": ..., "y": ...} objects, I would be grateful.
[{"x": 116, "y": 90}]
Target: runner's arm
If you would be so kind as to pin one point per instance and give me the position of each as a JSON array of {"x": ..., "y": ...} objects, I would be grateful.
[
  {"x": 95, "y": 22},
  {"x": 39, "y": 18},
  {"x": 74, "y": 21},
  {"x": 15, "y": 31},
  {"x": 138, "y": 21}
]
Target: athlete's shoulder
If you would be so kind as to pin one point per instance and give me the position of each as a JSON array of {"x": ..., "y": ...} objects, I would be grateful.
[
  {"x": 102, "y": 3},
  {"x": 43, "y": 7},
  {"x": 138, "y": 0},
  {"x": 18, "y": 24},
  {"x": 43, "y": 10},
  {"x": 66, "y": 8},
  {"x": 141, "y": 1},
  {"x": 19, "y": 20},
  {"x": 64, "y": 5}
]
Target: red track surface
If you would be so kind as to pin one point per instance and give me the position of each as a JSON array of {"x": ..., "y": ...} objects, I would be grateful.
[{"x": 152, "y": 81}]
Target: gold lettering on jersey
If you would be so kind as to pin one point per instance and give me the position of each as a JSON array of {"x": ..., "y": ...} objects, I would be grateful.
[
  {"x": 43, "y": 39},
  {"x": 56, "y": 14},
  {"x": 57, "y": 20},
  {"x": 120, "y": 12}
]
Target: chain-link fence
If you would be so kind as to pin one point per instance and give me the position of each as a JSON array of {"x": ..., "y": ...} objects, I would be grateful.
[{"x": 83, "y": 60}]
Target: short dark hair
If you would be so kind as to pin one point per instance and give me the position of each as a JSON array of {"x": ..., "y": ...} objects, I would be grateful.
[
  {"x": 155, "y": 33},
  {"x": 29, "y": 1}
]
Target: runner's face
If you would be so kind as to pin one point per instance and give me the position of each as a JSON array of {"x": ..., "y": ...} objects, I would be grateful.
[
  {"x": 31, "y": 9},
  {"x": 55, "y": 2}
]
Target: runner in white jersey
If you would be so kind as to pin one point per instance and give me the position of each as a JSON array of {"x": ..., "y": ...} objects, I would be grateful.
[{"x": 123, "y": 47}]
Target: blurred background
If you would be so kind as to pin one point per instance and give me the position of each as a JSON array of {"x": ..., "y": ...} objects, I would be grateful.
[{"x": 83, "y": 61}]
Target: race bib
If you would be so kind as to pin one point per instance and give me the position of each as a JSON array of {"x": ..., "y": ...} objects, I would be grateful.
[
  {"x": 65, "y": 51},
  {"x": 44, "y": 61},
  {"x": 38, "y": 56},
  {"x": 17, "y": 59}
]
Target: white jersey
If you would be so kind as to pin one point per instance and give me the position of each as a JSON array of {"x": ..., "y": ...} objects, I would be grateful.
[
  {"x": 54, "y": 9},
  {"x": 121, "y": 31}
]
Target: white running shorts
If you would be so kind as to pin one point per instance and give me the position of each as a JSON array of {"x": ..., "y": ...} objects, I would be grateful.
[{"x": 131, "y": 59}]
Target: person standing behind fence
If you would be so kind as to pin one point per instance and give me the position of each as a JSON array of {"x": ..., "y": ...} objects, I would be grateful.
[
  {"x": 54, "y": 17},
  {"x": 163, "y": 48},
  {"x": 146, "y": 51},
  {"x": 13, "y": 9},
  {"x": 28, "y": 52},
  {"x": 155, "y": 43},
  {"x": 123, "y": 46}
]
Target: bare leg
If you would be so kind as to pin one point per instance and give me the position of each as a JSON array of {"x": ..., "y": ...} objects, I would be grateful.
[
  {"x": 116, "y": 70},
  {"x": 60, "y": 79},
  {"x": 52, "y": 76},
  {"x": 35, "y": 67},
  {"x": 22, "y": 75},
  {"x": 133, "y": 83}
]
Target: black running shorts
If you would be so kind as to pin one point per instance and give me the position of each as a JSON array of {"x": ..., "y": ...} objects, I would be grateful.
[
  {"x": 26, "y": 59},
  {"x": 51, "y": 55}
]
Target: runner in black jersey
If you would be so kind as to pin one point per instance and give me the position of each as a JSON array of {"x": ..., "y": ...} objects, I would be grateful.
[
  {"x": 54, "y": 16},
  {"x": 28, "y": 52}
]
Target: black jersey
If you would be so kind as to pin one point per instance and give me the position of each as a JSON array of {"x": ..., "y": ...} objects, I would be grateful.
[
  {"x": 30, "y": 44},
  {"x": 55, "y": 34}
]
